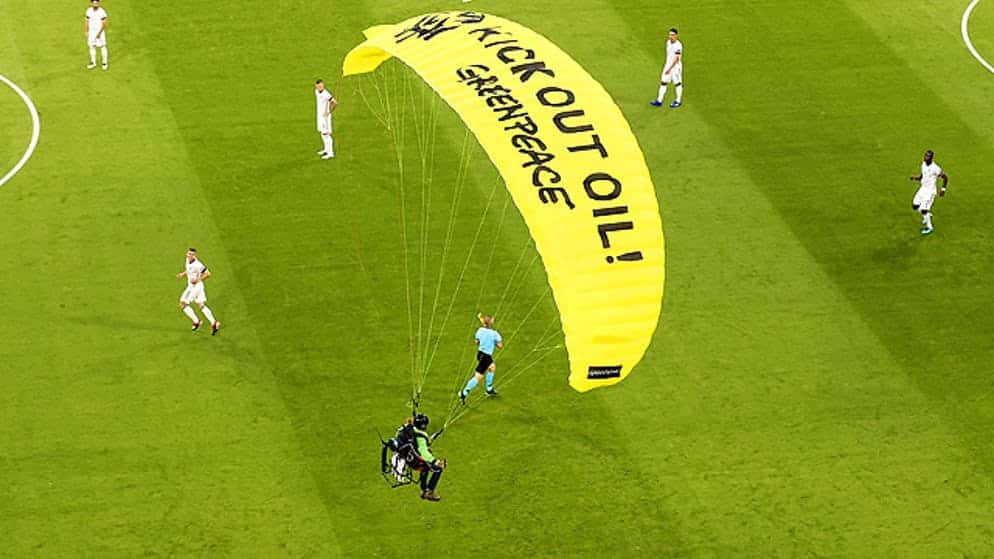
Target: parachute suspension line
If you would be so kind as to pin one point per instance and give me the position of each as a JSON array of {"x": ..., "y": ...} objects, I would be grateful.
[
  {"x": 365, "y": 99},
  {"x": 424, "y": 349},
  {"x": 459, "y": 282},
  {"x": 394, "y": 120},
  {"x": 455, "y": 407},
  {"x": 548, "y": 335},
  {"x": 395, "y": 117},
  {"x": 464, "y": 354},
  {"x": 460, "y": 378},
  {"x": 493, "y": 250},
  {"x": 476, "y": 399},
  {"x": 463, "y": 171},
  {"x": 462, "y": 275},
  {"x": 551, "y": 329},
  {"x": 524, "y": 320},
  {"x": 357, "y": 87},
  {"x": 512, "y": 374},
  {"x": 427, "y": 133},
  {"x": 422, "y": 135},
  {"x": 510, "y": 279},
  {"x": 517, "y": 289},
  {"x": 515, "y": 372}
]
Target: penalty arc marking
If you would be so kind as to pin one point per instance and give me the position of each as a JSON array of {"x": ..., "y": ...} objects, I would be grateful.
[
  {"x": 966, "y": 36},
  {"x": 35, "y": 132}
]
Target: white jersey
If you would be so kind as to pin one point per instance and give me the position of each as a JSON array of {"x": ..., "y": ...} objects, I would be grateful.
[
  {"x": 95, "y": 20},
  {"x": 930, "y": 172},
  {"x": 674, "y": 49},
  {"x": 324, "y": 100},
  {"x": 194, "y": 270}
]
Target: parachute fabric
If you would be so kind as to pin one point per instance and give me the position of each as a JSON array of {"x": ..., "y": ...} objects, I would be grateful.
[{"x": 570, "y": 163}]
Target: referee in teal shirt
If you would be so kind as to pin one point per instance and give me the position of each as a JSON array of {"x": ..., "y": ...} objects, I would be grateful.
[{"x": 488, "y": 340}]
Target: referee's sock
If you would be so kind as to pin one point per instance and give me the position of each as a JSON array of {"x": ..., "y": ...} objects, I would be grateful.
[{"x": 469, "y": 385}]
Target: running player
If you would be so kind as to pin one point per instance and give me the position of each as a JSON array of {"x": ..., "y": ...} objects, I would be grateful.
[
  {"x": 487, "y": 341},
  {"x": 196, "y": 273}
]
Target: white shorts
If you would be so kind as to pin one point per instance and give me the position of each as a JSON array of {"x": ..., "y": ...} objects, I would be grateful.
[
  {"x": 194, "y": 294},
  {"x": 94, "y": 41},
  {"x": 324, "y": 125},
  {"x": 675, "y": 75},
  {"x": 398, "y": 464},
  {"x": 924, "y": 198}
]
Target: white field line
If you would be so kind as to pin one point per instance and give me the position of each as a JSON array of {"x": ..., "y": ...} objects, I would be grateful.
[
  {"x": 966, "y": 35},
  {"x": 35, "y": 133}
]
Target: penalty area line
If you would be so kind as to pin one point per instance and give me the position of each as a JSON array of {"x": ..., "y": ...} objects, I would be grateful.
[
  {"x": 964, "y": 29},
  {"x": 35, "y": 133}
]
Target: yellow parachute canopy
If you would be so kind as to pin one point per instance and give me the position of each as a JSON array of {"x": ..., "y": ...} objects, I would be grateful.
[{"x": 570, "y": 162}]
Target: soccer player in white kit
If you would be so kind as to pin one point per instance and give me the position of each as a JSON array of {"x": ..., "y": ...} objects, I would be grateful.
[
  {"x": 926, "y": 192},
  {"x": 672, "y": 71},
  {"x": 326, "y": 104},
  {"x": 196, "y": 273},
  {"x": 95, "y": 26}
]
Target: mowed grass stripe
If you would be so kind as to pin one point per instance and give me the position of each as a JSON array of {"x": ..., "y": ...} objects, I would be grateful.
[
  {"x": 154, "y": 440},
  {"x": 543, "y": 466},
  {"x": 15, "y": 129},
  {"x": 253, "y": 143},
  {"x": 15, "y": 120},
  {"x": 951, "y": 362},
  {"x": 753, "y": 118},
  {"x": 771, "y": 418},
  {"x": 920, "y": 297},
  {"x": 981, "y": 31},
  {"x": 339, "y": 366}
]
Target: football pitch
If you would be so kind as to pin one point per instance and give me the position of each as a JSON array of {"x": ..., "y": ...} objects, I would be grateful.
[{"x": 820, "y": 383}]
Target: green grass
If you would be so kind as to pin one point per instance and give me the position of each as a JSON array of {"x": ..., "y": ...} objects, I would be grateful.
[{"x": 819, "y": 384}]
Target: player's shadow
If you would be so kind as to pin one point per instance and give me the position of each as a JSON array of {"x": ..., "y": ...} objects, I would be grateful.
[
  {"x": 117, "y": 323},
  {"x": 898, "y": 254}
]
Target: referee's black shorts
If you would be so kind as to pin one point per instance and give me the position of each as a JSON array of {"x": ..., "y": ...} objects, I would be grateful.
[{"x": 483, "y": 362}]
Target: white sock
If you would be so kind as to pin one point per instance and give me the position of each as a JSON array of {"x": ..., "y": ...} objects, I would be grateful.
[
  {"x": 662, "y": 93},
  {"x": 103, "y": 53},
  {"x": 928, "y": 220},
  {"x": 329, "y": 144},
  {"x": 93, "y": 55},
  {"x": 188, "y": 311},
  {"x": 207, "y": 312},
  {"x": 679, "y": 93}
]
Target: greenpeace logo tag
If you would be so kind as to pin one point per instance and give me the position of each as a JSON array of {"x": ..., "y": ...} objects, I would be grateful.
[{"x": 610, "y": 371}]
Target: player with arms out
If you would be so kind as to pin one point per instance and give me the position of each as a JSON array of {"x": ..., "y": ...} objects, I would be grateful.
[
  {"x": 95, "y": 27},
  {"x": 926, "y": 192},
  {"x": 196, "y": 273},
  {"x": 487, "y": 341},
  {"x": 672, "y": 71},
  {"x": 326, "y": 104}
]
